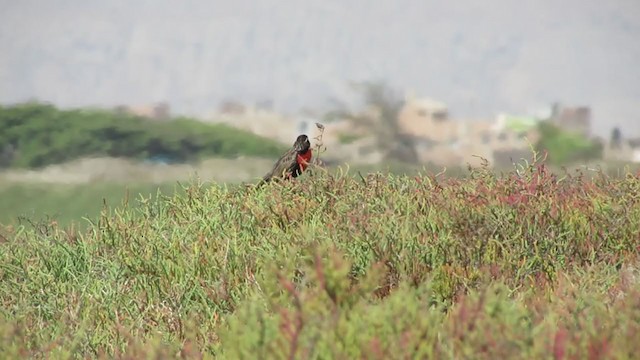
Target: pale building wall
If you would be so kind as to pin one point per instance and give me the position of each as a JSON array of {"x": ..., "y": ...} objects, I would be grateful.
[{"x": 417, "y": 119}]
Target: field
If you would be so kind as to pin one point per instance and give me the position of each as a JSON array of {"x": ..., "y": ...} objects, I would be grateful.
[
  {"x": 69, "y": 192},
  {"x": 525, "y": 264}
]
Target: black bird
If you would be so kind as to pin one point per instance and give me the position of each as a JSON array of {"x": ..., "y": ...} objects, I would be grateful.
[{"x": 292, "y": 163}]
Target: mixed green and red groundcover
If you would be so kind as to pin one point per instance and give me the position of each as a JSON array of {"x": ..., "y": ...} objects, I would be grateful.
[{"x": 523, "y": 265}]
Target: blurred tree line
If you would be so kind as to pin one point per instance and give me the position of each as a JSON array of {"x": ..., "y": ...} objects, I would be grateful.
[{"x": 36, "y": 135}]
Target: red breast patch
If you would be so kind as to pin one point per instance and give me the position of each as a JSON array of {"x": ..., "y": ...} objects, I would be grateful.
[{"x": 303, "y": 159}]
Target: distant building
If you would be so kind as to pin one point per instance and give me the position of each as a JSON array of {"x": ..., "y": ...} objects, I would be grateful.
[
  {"x": 159, "y": 111},
  {"x": 232, "y": 108},
  {"x": 444, "y": 141},
  {"x": 426, "y": 123},
  {"x": 574, "y": 119},
  {"x": 426, "y": 118}
]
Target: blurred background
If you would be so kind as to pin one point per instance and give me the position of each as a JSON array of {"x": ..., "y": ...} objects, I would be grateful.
[{"x": 103, "y": 98}]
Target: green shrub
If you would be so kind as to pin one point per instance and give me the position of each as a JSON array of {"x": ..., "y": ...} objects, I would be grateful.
[
  {"x": 566, "y": 147},
  {"x": 43, "y": 135}
]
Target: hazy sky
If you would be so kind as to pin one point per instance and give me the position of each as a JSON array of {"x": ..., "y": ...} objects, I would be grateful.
[{"x": 479, "y": 57}]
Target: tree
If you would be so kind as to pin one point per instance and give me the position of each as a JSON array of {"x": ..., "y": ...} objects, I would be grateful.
[
  {"x": 566, "y": 147},
  {"x": 380, "y": 118}
]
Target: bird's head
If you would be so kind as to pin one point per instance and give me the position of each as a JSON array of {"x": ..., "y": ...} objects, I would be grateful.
[{"x": 302, "y": 144}]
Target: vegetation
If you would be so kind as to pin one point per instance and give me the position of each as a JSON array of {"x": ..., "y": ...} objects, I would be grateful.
[
  {"x": 380, "y": 119},
  {"x": 566, "y": 147},
  {"x": 521, "y": 265},
  {"x": 67, "y": 204},
  {"x": 35, "y": 135}
]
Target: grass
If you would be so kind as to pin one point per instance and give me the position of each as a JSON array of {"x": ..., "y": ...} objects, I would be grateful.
[
  {"x": 66, "y": 203},
  {"x": 526, "y": 264},
  {"x": 59, "y": 193}
]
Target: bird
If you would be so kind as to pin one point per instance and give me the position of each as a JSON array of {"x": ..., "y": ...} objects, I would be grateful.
[{"x": 292, "y": 163}]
